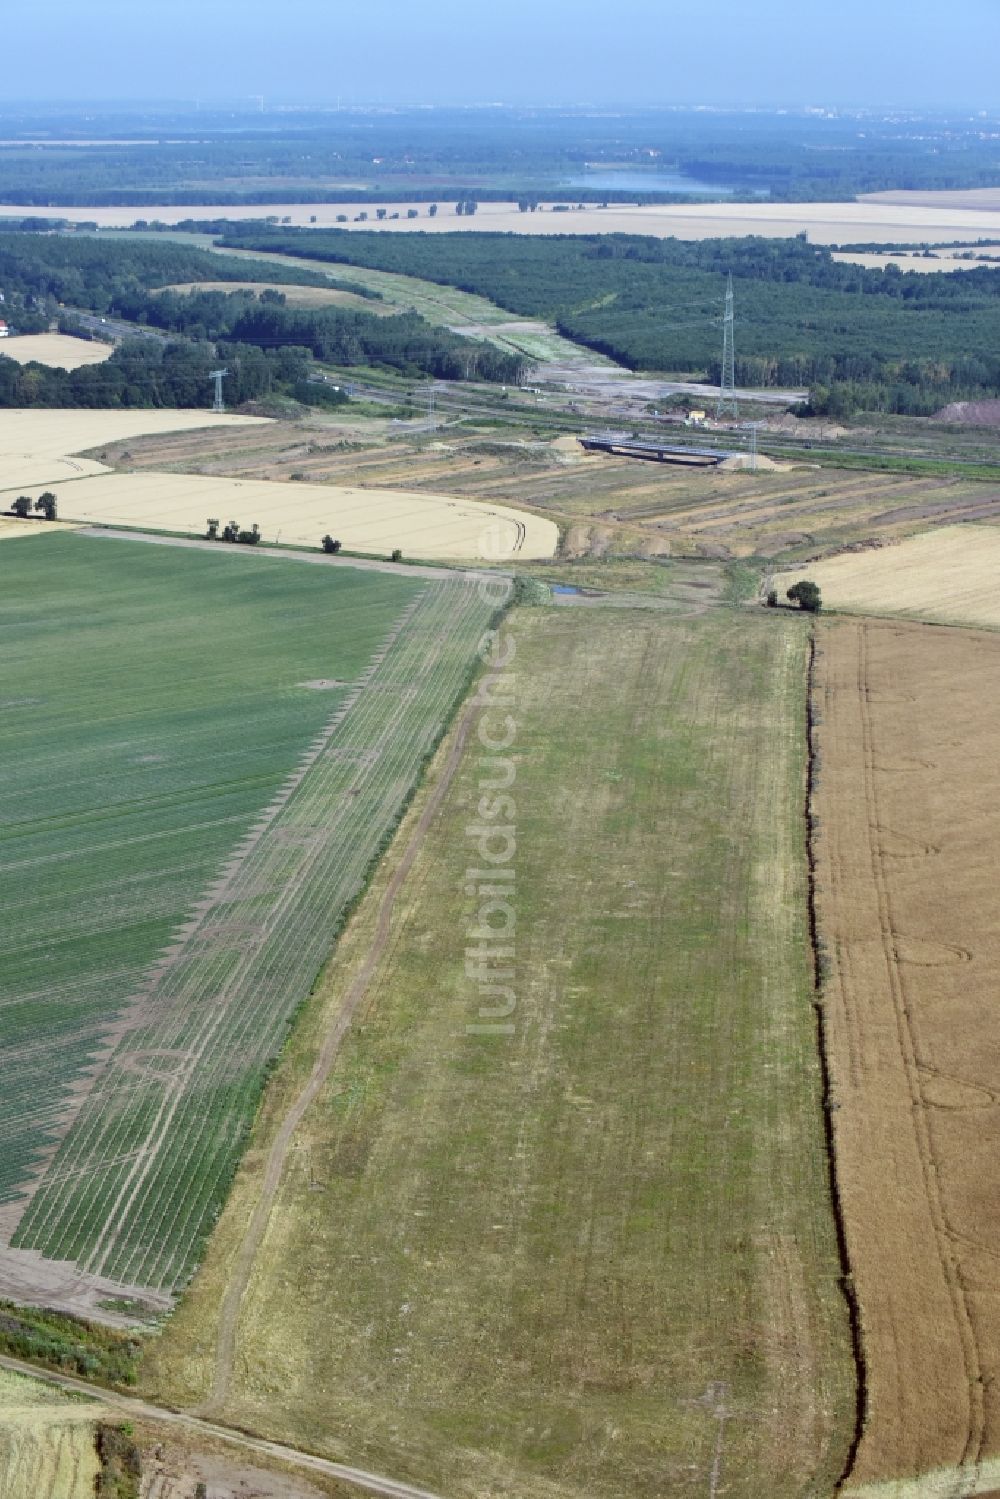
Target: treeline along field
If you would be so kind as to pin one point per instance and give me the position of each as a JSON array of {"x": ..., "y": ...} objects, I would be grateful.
[
  {"x": 857, "y": 338},
  {"x": 199, "y": 779}
]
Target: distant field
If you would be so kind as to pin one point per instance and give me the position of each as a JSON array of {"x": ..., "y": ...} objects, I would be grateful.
[
  {"x": 948, "y": 575},
  {"x": 981, "y": 199},
  {"x": 906, "y": 812},
  {"x": 871, "y": 220},
  {"x": 197, "y": 777},
  {"x": 47, "y": 1446},
  {"x": 939, "y": 261},
  {"x": 57, "y": 349},
  {"x": 593, "y": 1256},
  {"x": 295, "y": 296}
]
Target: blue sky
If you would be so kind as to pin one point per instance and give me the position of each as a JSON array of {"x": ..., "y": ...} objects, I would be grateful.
[{"x": 516, "y": 51}]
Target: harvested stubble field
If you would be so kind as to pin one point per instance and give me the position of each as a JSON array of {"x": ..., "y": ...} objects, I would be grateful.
[
  {"x": 57, "y": 349},
  {"x": 47, "y": 1442},
  {"x": 908, "y": 790},
  {"x": 11, "y": 527},
  {"x": 421, "y": 525},
  {"x": 603, "y": 504},
  {"x": 34, "y": 449},
  {"x": 872, "y": 221},
  {"x": 196, "y": 780},
  {"x": 594, "y": 1256},
  {"x": 948, "y": 575}
]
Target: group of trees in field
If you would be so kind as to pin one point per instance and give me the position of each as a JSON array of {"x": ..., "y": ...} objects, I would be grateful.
[
  {"x": 805, "y": 593},
  {"x": 856, "y": 338},
  {"x": 233, "y": 532},
  {"x": 46, "y": 506}
]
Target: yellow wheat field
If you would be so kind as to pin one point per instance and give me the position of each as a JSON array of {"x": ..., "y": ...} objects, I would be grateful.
[
  {"x": 37, "y": 448},
  {"x": 949, "y": 575},
  {"x": 57, "y": 349},
  {"x": 365, "y": 520}
]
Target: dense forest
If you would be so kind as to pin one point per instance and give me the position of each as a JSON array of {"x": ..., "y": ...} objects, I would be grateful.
[
  {"x": 154, "y": 372},
  {"x": 145, "y": 158},
  {"x": 268, "y": 346},
  {"x": 856, "y": 338}
]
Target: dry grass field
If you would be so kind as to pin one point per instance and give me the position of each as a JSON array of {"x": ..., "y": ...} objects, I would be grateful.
[
  {"x": 57, "y": 349},
  {"x": 592, "y": 1257},
  {"x": 47, "y": 1446},
  {"x": 871, "y": 220},
  {"x": 947, "y": 575},
  {"x": 908, "y": 827}
]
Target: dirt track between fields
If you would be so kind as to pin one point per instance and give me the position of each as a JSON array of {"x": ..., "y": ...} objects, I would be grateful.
[
  {"x": 908, "y": 809},
  {"x": 257, "y": 1227},
  {"x": 142, "y": 1410}
]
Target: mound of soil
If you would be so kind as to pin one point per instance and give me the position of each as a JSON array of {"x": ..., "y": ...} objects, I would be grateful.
[{"x": 971, "y": 413}]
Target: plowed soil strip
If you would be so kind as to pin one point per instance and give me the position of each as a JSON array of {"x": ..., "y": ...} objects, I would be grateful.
[{"x": 906, "y": 802}]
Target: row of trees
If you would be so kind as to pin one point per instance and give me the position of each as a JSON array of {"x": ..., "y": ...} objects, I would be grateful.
[{"x": 233, "y": 532}]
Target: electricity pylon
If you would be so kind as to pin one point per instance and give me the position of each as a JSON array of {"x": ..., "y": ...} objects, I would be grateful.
[
  {"x": 218, "y": 376},
  {"x": 727, "y": 403}
]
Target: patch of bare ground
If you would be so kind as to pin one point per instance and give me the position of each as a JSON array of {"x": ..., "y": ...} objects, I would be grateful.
[{"x": 906, "y": 806}]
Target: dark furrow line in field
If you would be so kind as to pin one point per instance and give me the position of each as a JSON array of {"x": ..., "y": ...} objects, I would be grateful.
[{"x": 817, "y": 950}]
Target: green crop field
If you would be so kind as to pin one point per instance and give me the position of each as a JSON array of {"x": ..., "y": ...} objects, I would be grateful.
[
  {"x": 202, "y": 755},
  {"x": 588, "y": 1250}
]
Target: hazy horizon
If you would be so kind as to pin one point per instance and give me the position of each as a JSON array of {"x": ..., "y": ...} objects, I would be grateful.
[{"x": 527, "y": 53}]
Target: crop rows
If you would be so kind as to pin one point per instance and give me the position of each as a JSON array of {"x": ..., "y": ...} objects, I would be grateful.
[
  {"x": 142, "y": 1174},
  {"x": 139, "y": 744}
]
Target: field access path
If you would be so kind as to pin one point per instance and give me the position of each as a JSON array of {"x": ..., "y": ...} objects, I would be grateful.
[
  {"x": 906, "y": 807},
  {"x": 144, "y": 1410}
]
